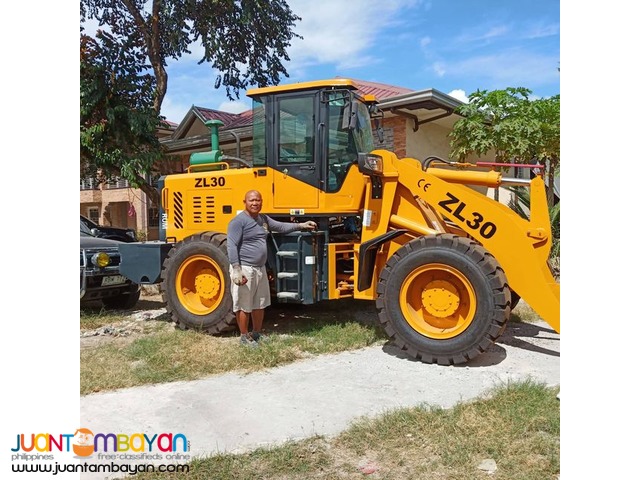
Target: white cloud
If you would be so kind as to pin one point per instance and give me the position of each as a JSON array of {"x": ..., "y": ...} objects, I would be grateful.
[
  {"x": 459, "y": 94},
  {"x": 340, "y": 33},
  {"x": 540, "y": 30},
  {"x": 482, "y": 35},
  {"x": 425, "y": 41},
  {"x": 512, "y": 68},
  {"x": 233, "y": 106},
  {"x": 439, "y": 69},
  {"x": 174, "y": 111}
]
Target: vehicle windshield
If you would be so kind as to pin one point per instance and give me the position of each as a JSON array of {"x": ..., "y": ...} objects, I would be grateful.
[
  {"x": 84, "y": 229},
  {"x": 349, "y": 134},
  {"x": 362, "y": 133}
]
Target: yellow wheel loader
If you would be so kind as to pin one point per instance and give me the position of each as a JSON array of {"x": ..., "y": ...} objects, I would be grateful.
[{"x": 442, "y": 261}]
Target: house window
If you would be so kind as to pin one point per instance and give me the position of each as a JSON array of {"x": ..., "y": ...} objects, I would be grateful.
[
  {"x": 154, "y": 217},
  {"x": 94, "y": 214}
]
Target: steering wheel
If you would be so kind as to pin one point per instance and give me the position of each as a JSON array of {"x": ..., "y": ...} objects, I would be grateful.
[{"x": 340, "y": 167}]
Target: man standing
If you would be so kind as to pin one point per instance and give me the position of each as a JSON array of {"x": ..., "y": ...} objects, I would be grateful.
[{"x": 247, "y": 250}]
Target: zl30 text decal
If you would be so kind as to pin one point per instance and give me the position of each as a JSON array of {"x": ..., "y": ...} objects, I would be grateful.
[
  {"x": 210, "y": 182},
  {"x": 486, "y": 229}
]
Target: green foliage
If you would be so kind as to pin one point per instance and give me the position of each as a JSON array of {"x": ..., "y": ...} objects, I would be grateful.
[
  {"x": 516, "y": 128},
  {"x": 508, "y": 122},
  {"x": 117, "y": 120},
  {"x": 245, "y": 42},
  {"x": 123, "y": 69},
  {"x": 494, "y": 120}
]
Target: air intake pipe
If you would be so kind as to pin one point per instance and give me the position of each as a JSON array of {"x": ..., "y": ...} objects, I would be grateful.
[{"x": 214, "y": 156}]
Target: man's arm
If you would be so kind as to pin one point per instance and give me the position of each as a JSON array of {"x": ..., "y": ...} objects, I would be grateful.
[
  {"x": 234, "y": 238},
  {"x": 288, "y": 227}
]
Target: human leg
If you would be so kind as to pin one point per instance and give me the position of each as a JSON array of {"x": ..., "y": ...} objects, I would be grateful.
[
  {"x": 261, "y": 300},
  {"x": 242, "y": 301},
  {"x": 243, "y": 321},
  {"x": 257, "y": 316}
]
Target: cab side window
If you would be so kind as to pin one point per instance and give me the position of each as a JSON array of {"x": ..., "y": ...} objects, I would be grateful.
[{"x": 296, "y": 124}]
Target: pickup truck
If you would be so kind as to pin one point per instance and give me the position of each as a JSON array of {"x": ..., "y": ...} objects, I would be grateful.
[{"x": 100, "y": 277}]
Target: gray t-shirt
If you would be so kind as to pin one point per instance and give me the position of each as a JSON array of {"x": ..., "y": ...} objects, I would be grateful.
[{"x": 247, "y": 238}]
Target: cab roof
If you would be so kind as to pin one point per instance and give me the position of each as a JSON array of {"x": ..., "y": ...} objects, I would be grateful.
[{"x": 293, "y": 87}]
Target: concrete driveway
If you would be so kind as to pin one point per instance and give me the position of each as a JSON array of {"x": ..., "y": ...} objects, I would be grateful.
[{"x": 320, "y": 396}]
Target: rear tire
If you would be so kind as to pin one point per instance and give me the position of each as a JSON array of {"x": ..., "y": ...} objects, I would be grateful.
[
  {"x": 195, "y": 284},
  {"x": 443, "y": 299}
]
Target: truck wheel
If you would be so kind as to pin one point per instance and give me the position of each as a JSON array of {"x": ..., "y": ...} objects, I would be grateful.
[
  {"x": 443, "y": 299},
  {"x": 124, "y": 301},
  {"x": 195, "y": 283}
]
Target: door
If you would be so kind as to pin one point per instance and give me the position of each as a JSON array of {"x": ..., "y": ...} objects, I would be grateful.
[{"x": 296, "y": 151}]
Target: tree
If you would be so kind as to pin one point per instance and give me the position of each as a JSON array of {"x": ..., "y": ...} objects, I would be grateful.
[
  {"x": 245, "y": 42},
  {"x": 517, "y": 129},
  {"x": 117, "y": 123}
]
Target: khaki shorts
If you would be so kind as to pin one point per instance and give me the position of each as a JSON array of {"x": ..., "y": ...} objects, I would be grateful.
[{"x": 253, "y": 295}]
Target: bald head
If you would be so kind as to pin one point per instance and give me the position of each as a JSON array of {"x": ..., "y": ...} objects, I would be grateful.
[
  {"x": 252, "y": 193},
  {"x": 253, "y": 202}
]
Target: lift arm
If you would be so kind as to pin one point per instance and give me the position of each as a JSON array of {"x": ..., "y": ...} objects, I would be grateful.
[{"x": 521, "y": 247}]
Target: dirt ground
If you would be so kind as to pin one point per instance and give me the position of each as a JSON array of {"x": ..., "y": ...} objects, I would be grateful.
[{"x": 150, "y": 314}]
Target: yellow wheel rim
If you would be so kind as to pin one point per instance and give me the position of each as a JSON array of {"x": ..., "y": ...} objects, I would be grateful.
[
  {"x": 438, "y": 301},
  {"x": 200, "y": 285}
]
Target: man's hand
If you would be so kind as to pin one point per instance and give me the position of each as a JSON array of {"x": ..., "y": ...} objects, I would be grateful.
[
  {"x": 310, "y": 225},
  {"x": 237, "y": 276}
]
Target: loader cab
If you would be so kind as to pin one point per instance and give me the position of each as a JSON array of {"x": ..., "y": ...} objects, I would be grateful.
[{"x": 311, "y": 132}]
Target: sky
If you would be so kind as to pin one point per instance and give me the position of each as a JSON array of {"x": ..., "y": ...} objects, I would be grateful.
[{"x": 454, "y": 46}]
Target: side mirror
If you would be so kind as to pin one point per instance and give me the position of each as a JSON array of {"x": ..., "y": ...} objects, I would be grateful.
[{"x": 350, "y": 119}]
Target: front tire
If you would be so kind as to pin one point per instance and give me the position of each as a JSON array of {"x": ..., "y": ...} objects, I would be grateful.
[
  {"x": 195, "y": 284},
  {"x": 443, "y": 299}
]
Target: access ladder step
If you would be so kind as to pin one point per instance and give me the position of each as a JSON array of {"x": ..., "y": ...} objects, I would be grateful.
[
  {"x": 287, "y": 253},
  {"x": 287, "y": 274},
  {"x": 288, "y": 295}
]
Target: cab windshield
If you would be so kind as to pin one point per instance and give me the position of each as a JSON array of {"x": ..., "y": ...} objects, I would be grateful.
[{"x": 349, "y": 133}]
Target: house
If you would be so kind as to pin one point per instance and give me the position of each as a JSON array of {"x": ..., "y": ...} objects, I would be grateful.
[
  {"x": 416, "y": 124},
  {"x": 117, "y": 204}
]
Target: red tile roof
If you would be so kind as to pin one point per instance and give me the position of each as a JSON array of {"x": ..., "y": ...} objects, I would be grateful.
[
  {"x": 211, "y": 114},
  {"x": 230, "y": 120},
  {"x": 380, "y": 90},
  {"x": 235, "y": 120}
]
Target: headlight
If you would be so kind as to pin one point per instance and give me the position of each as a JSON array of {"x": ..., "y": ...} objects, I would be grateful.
[
  {"x": 132, "y": 234},
  {"x": 100, "y": 259},
  {"x": 370, "y": 164}
]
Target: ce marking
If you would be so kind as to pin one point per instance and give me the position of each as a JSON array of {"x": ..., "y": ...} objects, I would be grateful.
[{"x": 422, "y": 183}]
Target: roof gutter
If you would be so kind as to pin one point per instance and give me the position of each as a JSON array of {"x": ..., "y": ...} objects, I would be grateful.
[
  {"x": 429, "y": 99},
  {"x": 416, "y": 122}
]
